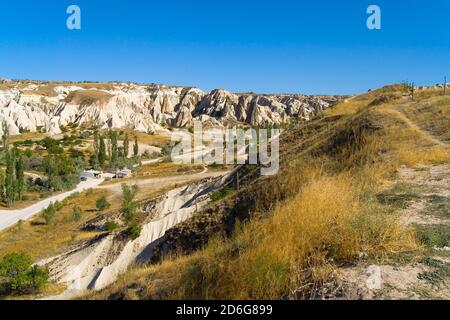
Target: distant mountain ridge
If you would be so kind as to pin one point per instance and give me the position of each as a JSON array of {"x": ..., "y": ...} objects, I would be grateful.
[{"x": 49, "y": 106}]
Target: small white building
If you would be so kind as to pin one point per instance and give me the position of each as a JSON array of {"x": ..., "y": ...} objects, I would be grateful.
[
  {"x": 123, "y": 173},
  {"x": 91, "y": 174}
]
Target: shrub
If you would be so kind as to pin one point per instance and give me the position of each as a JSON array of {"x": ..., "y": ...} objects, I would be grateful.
[
  {"x": 76, "y": 213},
  {"x": 134, "y": 231},
  {"x": 18, "y": 275},
  {"x": 49, "y": 215},
  {"x": 111, "y": 225},
  {"x": 221, "y": 194},
  {"x": 102, "y": 203},
  {"x": 129, "y": 205}
]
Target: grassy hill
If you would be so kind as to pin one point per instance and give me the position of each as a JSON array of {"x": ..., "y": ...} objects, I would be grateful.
[{"x": 337, "y": 206}]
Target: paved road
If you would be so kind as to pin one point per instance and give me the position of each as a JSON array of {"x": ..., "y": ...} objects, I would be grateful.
[{"x": 10, "y": 217}]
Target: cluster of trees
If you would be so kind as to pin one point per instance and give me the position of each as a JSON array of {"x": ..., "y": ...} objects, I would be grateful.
[
  {"x": 18, "y": 275},
  {"x": 62, "y": 169},
  {"x": 63, "y": 172},
  {"x": 12, "y": 180},
  {"x": 107, "y": 151}
]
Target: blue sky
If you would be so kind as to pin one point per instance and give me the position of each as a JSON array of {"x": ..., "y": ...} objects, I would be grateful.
[{"x": 314, "y": 47}]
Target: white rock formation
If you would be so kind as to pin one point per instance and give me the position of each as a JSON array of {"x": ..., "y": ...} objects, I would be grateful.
[
  {"x": 46, "y": 106},
  {"x": 97, "y": 264}
]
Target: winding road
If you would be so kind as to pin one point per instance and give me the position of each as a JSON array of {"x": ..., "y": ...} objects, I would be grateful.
[{"x": 10, "y": 217}]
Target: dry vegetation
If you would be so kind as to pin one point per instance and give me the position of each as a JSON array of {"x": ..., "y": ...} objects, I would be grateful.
[
  {"x": 87, "y": 97},
  {"x": 45, "y": 91},
  {"x": 40, "y": 240},
  {"x": 320, "y": 213}
]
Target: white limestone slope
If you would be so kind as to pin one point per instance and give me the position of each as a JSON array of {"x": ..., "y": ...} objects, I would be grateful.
[{"x": 98, "y": 263}]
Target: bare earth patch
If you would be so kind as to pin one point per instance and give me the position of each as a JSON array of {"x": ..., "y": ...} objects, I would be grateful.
[
  {"x": 397, "y": 283},
  {"x": 428, "y": 210}
]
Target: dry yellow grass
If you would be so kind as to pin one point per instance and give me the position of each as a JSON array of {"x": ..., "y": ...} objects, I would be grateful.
[
  {"x": 411, "y": 144},
  {"x": 157, "y": 140},
  {"x": 44, "y": 90},
  {"x": 299, "y": 248},
  {"x": 351, "y": 106},
  {"x": 83, "y": 97},
  {"x": 332, "y": 217},
  {"x": 316, "y": 216}
]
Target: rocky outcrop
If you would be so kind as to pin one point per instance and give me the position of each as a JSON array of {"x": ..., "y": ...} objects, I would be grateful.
[{"x": 43, "y": 106}]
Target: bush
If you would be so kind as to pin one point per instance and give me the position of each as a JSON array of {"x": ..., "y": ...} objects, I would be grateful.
[
  {"x": 49, "y": 215},
  {"x": 58, "y": 206},
  {"x": 32, "y": 162},
  {"x": 221, "y": 194},
  {"x": 18, "y": 275},
  {"x": 102, "y": 203},
  {"x": 111, "y": 226},
  {"x": 76, "y": 213},
  {"x": 51, "y": 145},
  {"x": 134, "y": 231},
  {"x": 45, "y": 194},
  {"x": 62, "y": 171},
  {"x": 129, "y": 205},
  {"x": 73, "y": 195}
]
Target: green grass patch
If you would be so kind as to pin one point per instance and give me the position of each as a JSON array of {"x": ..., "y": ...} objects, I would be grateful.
[
  {"x": 434, "y": 235},
  {"x": 221, "y": 194},
  {"x": 439, "y": 206}
]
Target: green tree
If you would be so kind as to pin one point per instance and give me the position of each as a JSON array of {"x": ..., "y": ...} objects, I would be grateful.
[
  {"x": 20, "y": 176},
  {"x": 129, "y": 206},
  {"x": 61, "y": 171},
  {"x": 102, "y": 151},
  {"x": 38, "y": 278},
  {"x": 52, "y": 145},
  {"x": 96, "y": 143},
  {"x": 2, "y": 185},
  {"x": 114, "y": 148},
  {"x": 10, "y": 187},
  {"x": 135, "y": 147},
  {"x": 102, "y": 203},
  {"x": 5, "y": 135},
  {"x": 126, "y": 146},
  {"x": 18, "y": 275}
]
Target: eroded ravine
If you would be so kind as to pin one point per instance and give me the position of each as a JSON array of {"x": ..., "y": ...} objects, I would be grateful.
[{"x": 97, "y": 263}]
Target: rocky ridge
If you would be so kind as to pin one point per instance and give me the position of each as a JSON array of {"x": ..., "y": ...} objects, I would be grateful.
[{"x": 31, "y": 106}]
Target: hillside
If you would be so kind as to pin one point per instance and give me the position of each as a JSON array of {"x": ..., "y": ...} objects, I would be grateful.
[{"x": 362, "y": 190}]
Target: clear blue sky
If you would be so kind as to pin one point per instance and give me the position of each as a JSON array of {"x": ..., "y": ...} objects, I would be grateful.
[{"x": 262, "y": 46}]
